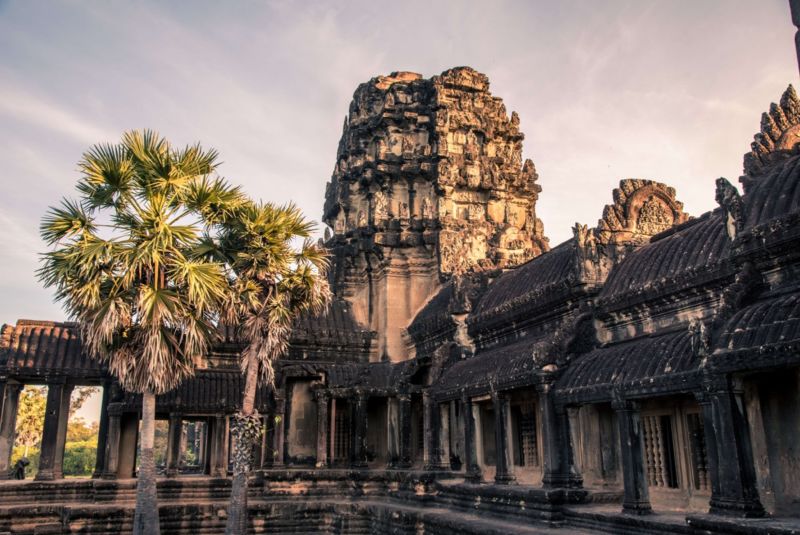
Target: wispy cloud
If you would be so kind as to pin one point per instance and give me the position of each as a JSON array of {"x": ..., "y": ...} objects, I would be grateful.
[{"x": 23, "y": 106}]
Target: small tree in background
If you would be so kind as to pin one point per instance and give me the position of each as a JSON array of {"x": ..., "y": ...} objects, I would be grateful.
[
  {"x": 124, "y": 266},
  {"x": 30, "y": 418}
]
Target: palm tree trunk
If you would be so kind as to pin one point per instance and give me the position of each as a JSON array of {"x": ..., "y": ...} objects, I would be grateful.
[
  {"x": 145, "y": 521},
  {"x": 243, "y": 452}
]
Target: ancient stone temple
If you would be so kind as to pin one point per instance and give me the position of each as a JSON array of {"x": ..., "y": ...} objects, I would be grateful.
[{"x": 640, "y": 377}]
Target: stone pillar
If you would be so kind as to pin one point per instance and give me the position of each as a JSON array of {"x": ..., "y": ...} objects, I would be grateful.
[
  {"x": 502, "y": 428},
  {"x": 358, "y": 457},
  {"x": 559, "y": 468},
  {"x": 54, "y": 433},
  {"x": 111, "y": 463},
  {"x": 794, "y": 5},
  {"x": 269, "y": 439},
  {"x": 472, "y": 470},
  {"x": 8, "y": 424},
  {"x": 322, "y": 398},
  {"x": 332, "y": 442},
  {"x": 129, "y": 438},
  {"x": 734, "y": 488},
  {"x": 636, "y": 499},
  {"x": 429, "y": 431},
  {"x": 174, "y": 443},
  {"x": 444, "y": 436},
  {"x": 279, "y": 453},
  {"x": 219, "y": 447},
  {"x": 102, "y": 433},
  {"x": 404, "y": 430}
]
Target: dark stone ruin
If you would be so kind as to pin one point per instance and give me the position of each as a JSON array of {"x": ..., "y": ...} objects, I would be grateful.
[{"x": 640, "y": 377}]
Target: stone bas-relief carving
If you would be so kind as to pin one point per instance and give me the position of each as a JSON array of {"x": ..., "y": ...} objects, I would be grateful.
[
  {"x": 448, "y": 133},
  {"x": 442, "y": 162}
]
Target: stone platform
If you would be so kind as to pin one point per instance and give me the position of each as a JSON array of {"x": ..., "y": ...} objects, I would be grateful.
[{"x": 350, "y": 502}]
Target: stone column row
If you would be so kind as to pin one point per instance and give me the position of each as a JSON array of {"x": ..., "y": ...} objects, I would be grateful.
[{"x": 8, "y": 423}]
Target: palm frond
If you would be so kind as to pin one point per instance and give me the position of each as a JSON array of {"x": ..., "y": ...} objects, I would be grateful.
[{"x": 64, "y": 221}]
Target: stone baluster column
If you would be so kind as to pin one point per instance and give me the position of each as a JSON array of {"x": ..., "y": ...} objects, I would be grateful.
[
  {"x": 279, "y": 455},
  {"x": 54, "y": 433},
  {"x": 559, "y": 469},
  {"x": 322, "y": 398},
  {"x": 174, "y": 436},
  {"x": 111, "y": 463},
  {"x": 404, "y": 429},
  {"x": 734, "y": 488},
  {"x": 471, "y": 467},
  {"x": 636, "y": 499},
  {"x": 8, "y": 424},
  {"x": 102, "y": 433},
  {"x": 502, "y": 427},
  {"x": 359, "y": 424}
]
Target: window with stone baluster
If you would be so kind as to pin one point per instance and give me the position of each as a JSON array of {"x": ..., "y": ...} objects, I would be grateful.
[{"x": 659, "y": 451}]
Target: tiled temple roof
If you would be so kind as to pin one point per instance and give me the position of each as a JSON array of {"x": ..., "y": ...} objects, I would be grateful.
[
  {"x": 690, "y": 253},
  {"x": 333, "y": 335},
  {"x": 649, "y": 364},
  {"x": 434, "y": 315},
  {"x": 501, "y": 368},
  {"x": 762, "y": 335},
  {"x": 209, "y": 391},
  {"x": 381, "y": 376},
  {"x": 774, "y": 193},
  {"x": 518, "y": 294},
  {"x": 46, "y": 348}
]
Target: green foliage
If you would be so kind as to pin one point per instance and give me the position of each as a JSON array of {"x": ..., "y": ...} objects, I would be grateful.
[
  {"x": 30, "y": 417},
  {"x": 80, "y": 457},
  {"x": 145, "y": 302}
]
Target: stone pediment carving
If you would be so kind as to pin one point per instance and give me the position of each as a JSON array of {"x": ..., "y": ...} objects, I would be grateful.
[
  {"x": 779, "y": 136},
  {"x": 641, "y": 209}
]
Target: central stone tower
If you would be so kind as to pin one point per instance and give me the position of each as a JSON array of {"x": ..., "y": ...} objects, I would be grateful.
[{"x": 429, "y": 182}]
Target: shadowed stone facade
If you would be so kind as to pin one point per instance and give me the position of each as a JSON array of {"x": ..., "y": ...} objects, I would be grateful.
[{"x": 640, "y": 377}]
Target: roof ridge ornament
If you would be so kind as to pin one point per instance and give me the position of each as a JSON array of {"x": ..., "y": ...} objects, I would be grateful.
[
  {"x": 728, "y": 198},
  {"x": 779, "y": 136}
]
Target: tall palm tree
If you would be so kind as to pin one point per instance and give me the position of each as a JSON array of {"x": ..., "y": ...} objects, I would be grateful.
[
  {"x": 123, "y": 265},
  {"x": 277, "y": 274}
]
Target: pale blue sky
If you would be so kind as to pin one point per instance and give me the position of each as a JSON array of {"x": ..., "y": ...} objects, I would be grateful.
[{"x": 669, "y": 90}]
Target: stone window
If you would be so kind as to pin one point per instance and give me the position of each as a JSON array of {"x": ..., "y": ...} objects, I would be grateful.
[
  {"x": 524, "y": 432},
  {"x": 660, "y": 451},
  {"x": 341, "y": 438}
]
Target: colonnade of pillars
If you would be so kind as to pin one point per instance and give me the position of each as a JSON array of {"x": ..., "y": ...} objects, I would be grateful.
[{"x": 730, "y": 458}]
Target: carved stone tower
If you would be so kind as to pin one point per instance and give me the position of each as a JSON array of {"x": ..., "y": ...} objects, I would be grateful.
[{"x": 429, "y": 182}]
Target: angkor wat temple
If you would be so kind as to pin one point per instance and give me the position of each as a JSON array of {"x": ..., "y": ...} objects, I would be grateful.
[{"x": 641, "y": 377}]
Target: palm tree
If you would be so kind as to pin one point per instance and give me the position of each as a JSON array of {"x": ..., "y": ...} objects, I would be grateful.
[
  {"x": 123, "y": 266},
  {"x": 277, "y": 274}
]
